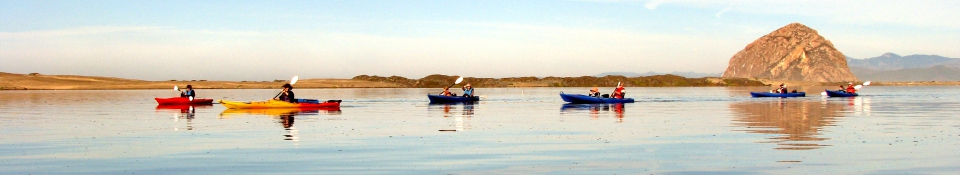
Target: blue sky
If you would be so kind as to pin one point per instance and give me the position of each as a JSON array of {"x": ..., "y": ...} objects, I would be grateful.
[{"x": 257, "y": 40}]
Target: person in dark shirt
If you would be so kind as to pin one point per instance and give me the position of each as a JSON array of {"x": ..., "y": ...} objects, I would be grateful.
[
  {"x": 188, "y": 92},
  {"x": 287, "y": 94}
]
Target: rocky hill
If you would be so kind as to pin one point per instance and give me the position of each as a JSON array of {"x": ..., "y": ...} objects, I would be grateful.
[{"x": 795, "y": 53}]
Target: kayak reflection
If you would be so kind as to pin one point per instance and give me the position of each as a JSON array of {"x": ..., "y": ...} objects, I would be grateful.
[
  {"x": 286, "y": 117},
  {"x": 185, "y": 111},
  {"x": 460, "y": 121},
  {"x": 279, "y": 112},
  {"x": 796, "y": 123},
  {"x": 595, "y": 109},
  {"x": 182, "y": 108}
]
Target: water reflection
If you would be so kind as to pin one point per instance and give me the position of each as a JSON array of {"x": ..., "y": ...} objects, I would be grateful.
[
  {"x": 277, "y": 112},
  {"x": 595, "y": 109},
  {"x": 460, "y": 121},
  {"x": 859, "y": 105},
  {"x": 287, "y": 121},
  {"x": 286, "y": 117},
  {"x": 186, "y": 112},
  {"x": 796, "y": 124}
]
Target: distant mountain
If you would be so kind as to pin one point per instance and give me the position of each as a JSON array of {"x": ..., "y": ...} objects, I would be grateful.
[
  {"x": 893, "y": 67},
  {"x": 891, "y": 61},
  {"x": 794, "y": 52},
  {"x": 682, "y": 74},
  {"x": 935, "y": 73}
]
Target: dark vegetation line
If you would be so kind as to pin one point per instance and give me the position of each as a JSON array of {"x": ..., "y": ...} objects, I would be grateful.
[{"x": 438, "y": 81}]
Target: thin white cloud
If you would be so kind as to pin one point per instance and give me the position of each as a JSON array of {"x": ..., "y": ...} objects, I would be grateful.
[
  {"x": 725, "y": 10},
  {"x": 653, "y": 4}
]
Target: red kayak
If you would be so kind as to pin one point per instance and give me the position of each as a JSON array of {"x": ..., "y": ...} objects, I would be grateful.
[{"x": 183, "y": 100}]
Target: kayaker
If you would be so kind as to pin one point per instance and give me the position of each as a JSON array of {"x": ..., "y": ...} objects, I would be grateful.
[
  {"x": 850, "y": 88},
  {"x": 594, "y": 92},
  {"x": 188, "y": 92},
  {"x": 618, "y": 92},
  {"x": 446, "y": 92},
  {"x": 467, "y": 90},
  {"x": 782, "y": 89},
  {"x": 287, "y": 94}
]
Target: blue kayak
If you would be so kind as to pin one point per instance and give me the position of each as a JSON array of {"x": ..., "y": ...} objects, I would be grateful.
[
  {"x": 579, "y": 98},
  {"x": 434, "y": 98},
  {"x": 770, "y": 94},
  {"x": 838, "y": 93}
]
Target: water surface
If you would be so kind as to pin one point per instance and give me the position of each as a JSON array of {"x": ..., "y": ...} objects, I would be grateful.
[{"x": 887, "y": 130}]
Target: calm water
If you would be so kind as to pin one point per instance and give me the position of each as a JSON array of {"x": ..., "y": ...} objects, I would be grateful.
[{"x": 888, "y": 130}]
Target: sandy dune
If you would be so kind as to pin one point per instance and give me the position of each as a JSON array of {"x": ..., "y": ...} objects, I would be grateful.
[{"x": 10, "y": 81}]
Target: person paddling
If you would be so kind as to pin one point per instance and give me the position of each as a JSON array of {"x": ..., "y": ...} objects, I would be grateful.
[
  {"x": 850, "y": 88},
  {"x": 594, "y": 92},
  {"x": 287, "y": 94},
  {"x": 618, "y": 92},
  {"x": 446, "y": 92},
  {"x": 188, "y": 92},
  {"x": 467, "y": 90},
  {"x": 782, "y": 89}
]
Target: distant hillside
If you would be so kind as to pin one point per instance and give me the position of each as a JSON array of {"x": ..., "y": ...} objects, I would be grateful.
[
  {"x": 936, "y": 73},
  {"x": 36, "y": 81},
  {"x": 891, "y": 61},
  {"x": 682, "y": 74},
  {"x": 893, "y": 67},
  {"x": 437, "y": 81}
]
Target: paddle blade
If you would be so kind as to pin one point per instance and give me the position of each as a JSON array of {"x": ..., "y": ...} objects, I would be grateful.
[
  {"x": 618, "y": 83},
  {"x": 191, "y": 99},
  {"x": 858, "y": 87},
  {"x": 866, "y": 83},
  {"x": 459, "y": 80},
  {"x": 823, "y": 93},
  {"x": 176, "y": 88},
  {"x": 294, "y": 80}
]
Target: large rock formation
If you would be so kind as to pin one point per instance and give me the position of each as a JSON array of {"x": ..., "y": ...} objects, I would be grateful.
[{"x": 795, "y": 53}]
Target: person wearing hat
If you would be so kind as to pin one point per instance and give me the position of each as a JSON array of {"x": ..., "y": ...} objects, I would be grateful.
[
  {"x": 467, "y": 90},
  {"x": 850, "y": 88},
  {"x": 287, "y": 94},
  {"x": 188, "y": 92},
  {"x": 594, "y": 92}
]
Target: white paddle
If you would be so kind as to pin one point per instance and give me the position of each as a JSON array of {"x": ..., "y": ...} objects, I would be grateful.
[
  {"x": 861, "y": 86},
  {"x": 458, "y": 82}
]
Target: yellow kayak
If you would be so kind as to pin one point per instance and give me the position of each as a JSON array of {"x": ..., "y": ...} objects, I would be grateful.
[{"x": 277, "y": 104}]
